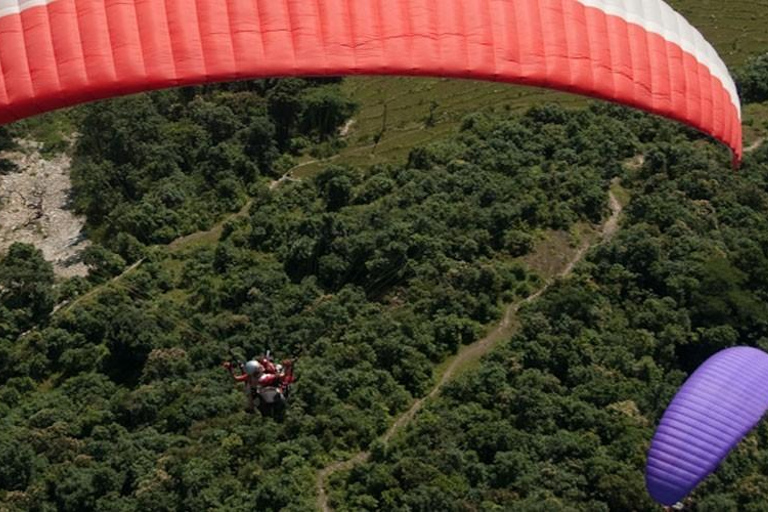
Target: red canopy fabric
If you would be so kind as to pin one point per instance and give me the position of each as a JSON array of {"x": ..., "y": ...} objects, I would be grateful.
[{"x": 55, "y": 53}]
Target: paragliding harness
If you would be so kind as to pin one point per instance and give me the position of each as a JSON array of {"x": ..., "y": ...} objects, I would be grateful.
[
  {"x": 271, "y": 399},
  {"x": 276, "y": 393}
]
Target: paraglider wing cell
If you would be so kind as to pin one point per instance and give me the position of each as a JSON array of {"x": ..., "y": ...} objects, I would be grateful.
[
  {"x": 713, "y": 411},
  {"x": 55, "y": 53}
]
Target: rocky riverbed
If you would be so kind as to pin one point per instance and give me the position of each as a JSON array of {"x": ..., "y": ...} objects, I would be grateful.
[{"x": 35, "y": 209}]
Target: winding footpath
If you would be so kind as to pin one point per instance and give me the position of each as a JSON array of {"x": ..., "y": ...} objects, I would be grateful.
[
  {"x": 66, "y": 306},
  {"x": 468, "y": 354},
  {"x": 175, "y": 245},
  {"x": 755, "y": 145}
]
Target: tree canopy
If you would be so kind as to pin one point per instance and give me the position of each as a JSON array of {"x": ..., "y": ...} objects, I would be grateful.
[{"x": 372, "y": 277}]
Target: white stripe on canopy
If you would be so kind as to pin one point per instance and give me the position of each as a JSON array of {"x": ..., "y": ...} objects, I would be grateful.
[{"x": 658, "y": 17}]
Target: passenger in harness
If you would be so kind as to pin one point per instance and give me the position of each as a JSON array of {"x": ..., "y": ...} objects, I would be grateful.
[
  {"x": 252, "y": 371},
  {"x": 266, "y": 383}
]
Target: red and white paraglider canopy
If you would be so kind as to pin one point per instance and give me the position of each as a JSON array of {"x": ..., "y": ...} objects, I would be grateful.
[{"x": 55, "y": 53}]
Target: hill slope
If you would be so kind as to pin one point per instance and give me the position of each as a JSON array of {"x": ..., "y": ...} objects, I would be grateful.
[{"x": 408, "y": 112}]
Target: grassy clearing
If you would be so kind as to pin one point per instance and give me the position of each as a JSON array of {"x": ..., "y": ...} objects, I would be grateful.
[
  {"x": 621, "y": 194},
  {"x": 53, "y": 130},
  {"x": 736, "y": 27},
  {"x": 211, "y": 236},
  {"x": 755, "y": 123},
  {"x": 408, "y": 112}
]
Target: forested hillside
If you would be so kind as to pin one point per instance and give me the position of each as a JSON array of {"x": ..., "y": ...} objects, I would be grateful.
[
  {"x": 118, "y": 401},
  {"x": 399, "y": 113},
  {"x": 561, "y": 417}
]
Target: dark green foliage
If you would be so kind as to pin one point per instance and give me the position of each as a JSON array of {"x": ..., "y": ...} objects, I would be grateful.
[
  {"x": 752, "y": 80},
  {"x": 372, "y": 278},
  {"x": 157, "y": 166},
  {"x": 26, "y": 288},
  {"x": 16, "y": 462},
  {"x": 6, "y": 139},
  {"x": 102, "y": 263},
  {"x": 560, "y": 417},
  {"x": 324, "y": 111}
]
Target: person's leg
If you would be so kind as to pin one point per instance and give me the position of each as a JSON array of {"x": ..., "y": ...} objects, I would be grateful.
[{"x": 251, "y": 407}]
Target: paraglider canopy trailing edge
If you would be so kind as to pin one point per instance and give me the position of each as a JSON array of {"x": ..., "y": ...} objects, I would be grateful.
[{"x": 641, "y": 53}]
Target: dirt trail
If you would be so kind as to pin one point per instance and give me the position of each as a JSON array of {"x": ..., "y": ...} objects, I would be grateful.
[
  {"x": 468, "y": 354},
  {"x": 288, "y": 176},
  {"x": 69, "y": 305},
  {"x": 755, "y": 145},
  {"x": 215, "y": 231},
  {"x": 344, "y": 131}
]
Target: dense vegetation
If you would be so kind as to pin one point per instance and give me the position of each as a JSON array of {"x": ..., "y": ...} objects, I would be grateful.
[
  {"x": 753, "y": 80},
  {"x": 118, "y": 402},
  {"x": 154, "y": 167},
  {"x": 372, "y": 277},
  {"x": 560, "y": 418}
]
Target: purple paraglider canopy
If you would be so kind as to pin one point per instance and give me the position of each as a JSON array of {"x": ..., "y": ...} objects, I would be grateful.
[{"x": 713, "y": 411}]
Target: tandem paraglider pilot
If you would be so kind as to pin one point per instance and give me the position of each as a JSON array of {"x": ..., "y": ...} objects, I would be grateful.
[{"x": 266, "y": 383}]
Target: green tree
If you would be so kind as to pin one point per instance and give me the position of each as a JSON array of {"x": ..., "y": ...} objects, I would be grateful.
[
  {"x": 16, "y": 463},
  {"x": 752, "y": 80},
  {"x": 26, "y": 284}
]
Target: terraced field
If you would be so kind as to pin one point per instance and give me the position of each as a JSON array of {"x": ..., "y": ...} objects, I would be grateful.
[{"x": 736, "y": 27}]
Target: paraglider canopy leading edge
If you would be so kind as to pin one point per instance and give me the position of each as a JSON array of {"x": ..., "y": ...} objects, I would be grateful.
[
  {"x": 56, "y": 53},
  {"x": 716, "y": 407}
]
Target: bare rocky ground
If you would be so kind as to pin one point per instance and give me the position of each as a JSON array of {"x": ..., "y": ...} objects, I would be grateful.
[{"x": 35, "y": 209}]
